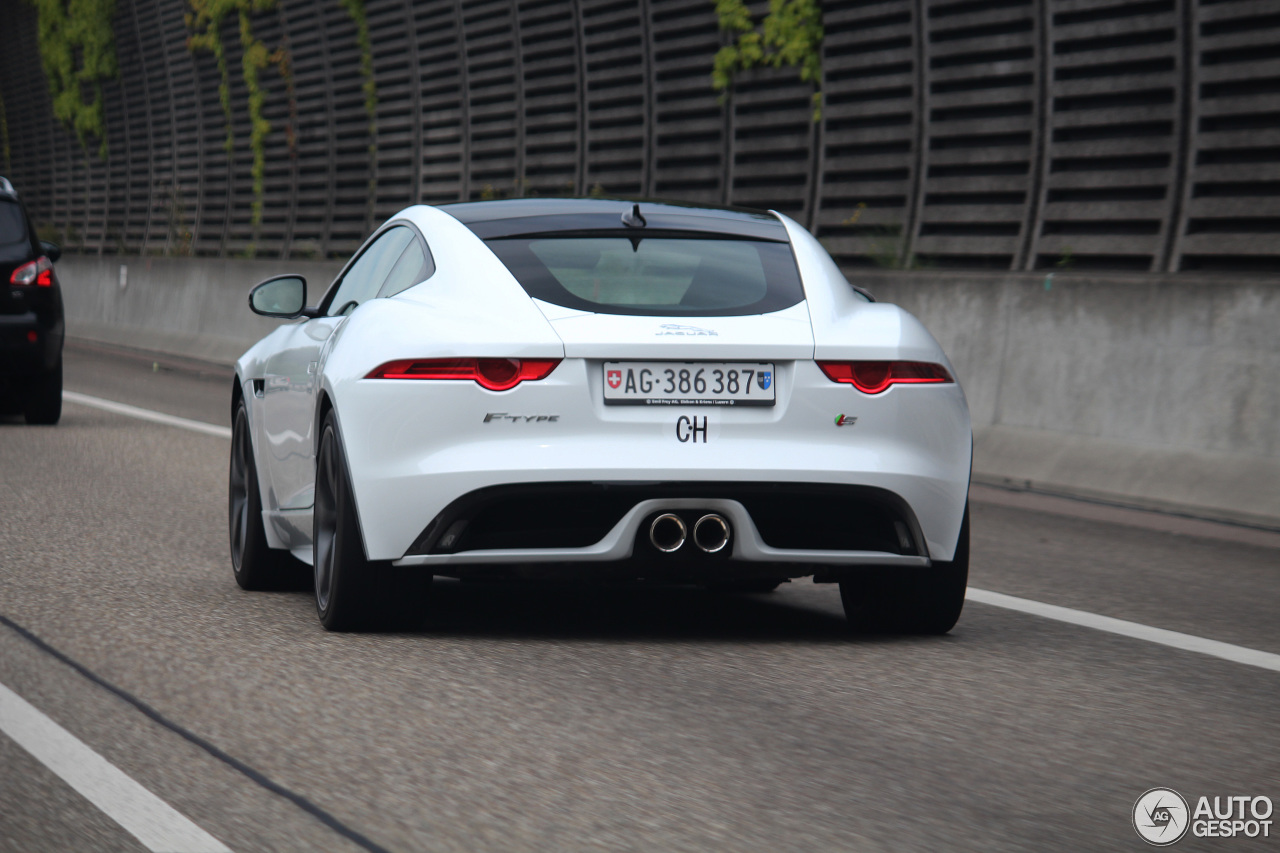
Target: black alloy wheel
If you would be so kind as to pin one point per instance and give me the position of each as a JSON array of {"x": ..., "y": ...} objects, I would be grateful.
[
  {"x": 353, "y": 592},
  {"x": 325, "y": 527},
  {"x": 909, "y": 601},
  {"x": 256, "y": 565}
]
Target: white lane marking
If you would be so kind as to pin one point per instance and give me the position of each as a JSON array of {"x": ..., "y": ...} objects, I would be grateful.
[
  {"x": 146, "y": 414},
  {"x": 146, "y": 817},
  {"x": 1173, "y": 639}
]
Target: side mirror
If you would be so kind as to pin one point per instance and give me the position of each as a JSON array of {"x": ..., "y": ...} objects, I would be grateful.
[
  {"x": 283, "y": 296},
  {"x": 52, "y": 251}
]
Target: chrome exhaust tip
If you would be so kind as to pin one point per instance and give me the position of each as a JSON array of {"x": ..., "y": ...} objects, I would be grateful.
[
  {"x": 711, "y": 533},
  {"x": 667, "y": 532}
]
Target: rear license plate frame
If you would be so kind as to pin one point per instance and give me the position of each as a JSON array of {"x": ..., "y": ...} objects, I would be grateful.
[{"x": 662, "y": 383}]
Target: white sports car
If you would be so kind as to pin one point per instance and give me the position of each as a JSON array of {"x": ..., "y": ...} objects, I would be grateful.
[{"x": 595, "y": 388}]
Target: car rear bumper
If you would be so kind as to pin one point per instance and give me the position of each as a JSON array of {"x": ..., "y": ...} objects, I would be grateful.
[
  {"x": 889, "y": 536},
  {"x": 27, "y": 345},
  {"x": 415, "y": 448}
]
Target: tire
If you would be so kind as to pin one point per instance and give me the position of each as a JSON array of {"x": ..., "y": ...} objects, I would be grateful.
[
  {"x": 254, "y": 563},
  {"x": 909, "y": 601},
  {"x": 42, "y": 402},
  {"x": 353, "y": 592}
]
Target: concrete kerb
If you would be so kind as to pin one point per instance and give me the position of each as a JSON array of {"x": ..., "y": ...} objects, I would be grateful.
[{"x": 1150, "y": 390}]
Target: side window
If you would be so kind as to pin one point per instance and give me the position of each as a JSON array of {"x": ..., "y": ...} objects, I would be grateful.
[
  {"x": 13, "y": 225},
  {"x": 415, "y": 265},
  {"x": 366, "y": 275}
]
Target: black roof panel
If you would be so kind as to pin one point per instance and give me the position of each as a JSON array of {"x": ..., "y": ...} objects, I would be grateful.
[{"x": 527, "y": 216}]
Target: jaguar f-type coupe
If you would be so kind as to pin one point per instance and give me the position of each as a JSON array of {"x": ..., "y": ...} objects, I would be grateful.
[{"x": 588, "y": 388}]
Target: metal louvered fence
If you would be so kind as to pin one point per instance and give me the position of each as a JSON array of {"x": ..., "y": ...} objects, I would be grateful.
[{"x": 1000, "y": 134}]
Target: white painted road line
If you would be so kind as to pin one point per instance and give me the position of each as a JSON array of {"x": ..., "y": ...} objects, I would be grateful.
[
  {"x": 146, "y": 414},
  {"x": 1173, "y": 639},
  {"x": 144, "y": 815}
]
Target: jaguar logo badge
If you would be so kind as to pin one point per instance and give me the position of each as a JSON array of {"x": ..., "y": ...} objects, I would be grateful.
[{"x": 677, "y": 329}]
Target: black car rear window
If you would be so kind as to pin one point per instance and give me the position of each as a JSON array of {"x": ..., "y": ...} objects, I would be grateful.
[
  {"x": 13, "y": 225},
  {"x": 655, "y": 276}
]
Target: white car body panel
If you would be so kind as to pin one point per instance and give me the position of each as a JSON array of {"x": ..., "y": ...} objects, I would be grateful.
[
  {"x": 415, "y": 446},
  {"x": 292, "y": 378}
]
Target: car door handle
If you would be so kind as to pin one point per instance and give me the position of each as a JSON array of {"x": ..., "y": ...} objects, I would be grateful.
[{"x": 313, "y": 367}]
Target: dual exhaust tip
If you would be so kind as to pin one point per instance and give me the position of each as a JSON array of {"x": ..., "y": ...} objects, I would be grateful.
[{"x": 668, "y": 533}]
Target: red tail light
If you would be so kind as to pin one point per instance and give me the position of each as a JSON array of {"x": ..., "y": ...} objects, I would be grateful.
[
  {"x": 39, "y": 272},
  {"x": 496, "y": 374},
  {"x": 872, "y": 377}
]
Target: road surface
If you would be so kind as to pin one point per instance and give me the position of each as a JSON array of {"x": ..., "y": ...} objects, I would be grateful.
[{"x": 576, "y": 717}]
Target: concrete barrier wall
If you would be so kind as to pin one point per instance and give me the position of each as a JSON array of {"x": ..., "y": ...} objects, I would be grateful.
[
  {"x": 1146, "y": 389},
  {"x": 1156, "y": 390},
  {"x": 192, "y": 307}
]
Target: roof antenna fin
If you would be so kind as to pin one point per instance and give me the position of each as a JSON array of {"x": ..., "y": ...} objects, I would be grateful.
[{"x": 633, "y": 219}]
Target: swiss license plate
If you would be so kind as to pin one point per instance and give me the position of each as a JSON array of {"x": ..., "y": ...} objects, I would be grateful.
[{"x": 700, "y": 383}]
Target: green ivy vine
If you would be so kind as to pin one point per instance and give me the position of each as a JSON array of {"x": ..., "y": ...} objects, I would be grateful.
[
  {"x": 204, "y": 23},
  {"x": 789, "y": 36},
  {"x": 355, "y": 8},
  {"x": 78, "y": 52}
]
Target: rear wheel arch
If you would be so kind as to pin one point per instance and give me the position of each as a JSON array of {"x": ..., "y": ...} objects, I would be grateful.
[
  {"x": 237, "y": 394},
  {"x": 352, "y": 591},
  {"x": 907, "y": 600},
  {"x": 324, "y": 405}
]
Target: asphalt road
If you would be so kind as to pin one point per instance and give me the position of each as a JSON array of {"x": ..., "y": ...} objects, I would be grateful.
[{"x": 566, "y": 718}]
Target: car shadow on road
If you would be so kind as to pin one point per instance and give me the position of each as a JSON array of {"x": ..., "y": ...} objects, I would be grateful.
[{"x": 580, "y": 611}]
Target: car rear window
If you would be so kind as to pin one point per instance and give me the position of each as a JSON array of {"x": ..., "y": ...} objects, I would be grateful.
[
  {"x": 13, "y": 225},
  {"x": 657, "y": 276}
]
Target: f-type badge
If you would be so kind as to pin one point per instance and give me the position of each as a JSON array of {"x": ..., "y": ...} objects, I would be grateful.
[
  {"x": 520, "y": 419},
  {"x": 846, "y": 420}
]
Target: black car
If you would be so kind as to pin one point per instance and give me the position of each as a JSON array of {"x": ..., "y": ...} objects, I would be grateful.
[{"x": 31, "y": 317}]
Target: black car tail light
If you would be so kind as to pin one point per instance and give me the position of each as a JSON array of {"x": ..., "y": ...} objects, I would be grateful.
[
  {"x": 872, "y": 377},
  {"x": 38, "y": 272}
]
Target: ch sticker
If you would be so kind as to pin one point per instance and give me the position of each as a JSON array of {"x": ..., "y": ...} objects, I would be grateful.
[{"x": 691, "y": 429}]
